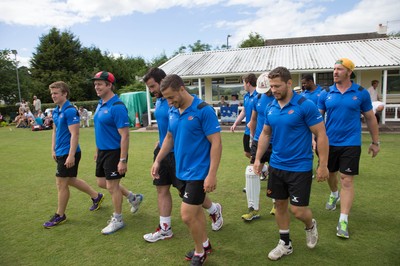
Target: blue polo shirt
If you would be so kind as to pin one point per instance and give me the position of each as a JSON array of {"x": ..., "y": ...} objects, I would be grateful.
[
  {"x": 162, "y": 117},
  {"x": 62, "y": 119},
  {"x": 108, "y": 118},
  {"x": 260, "y": 106},
  {"x": 248, "y": 103},
  {"x": 313, "y": 95},
  {"x": 291, "y": 145},
  {"x": 192, "y": 148},
  {"x": 343, "y": 111}
]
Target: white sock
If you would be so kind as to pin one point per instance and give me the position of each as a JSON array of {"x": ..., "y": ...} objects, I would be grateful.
[
  {"x": 343, "y": 217},
  {"x": 131, "y": 196},
  {"x": 212, "y": 209},
  {"x": 205, "y": 244},
  {"x": 165, "y": 223},
  {"x": 265, "y": 168},
  {"x": 117, "y": 216},
  {"x": 335, "y": 194}
]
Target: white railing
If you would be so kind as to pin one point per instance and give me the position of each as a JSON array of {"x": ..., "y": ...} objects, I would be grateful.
[{"x": 391, "y": 113}]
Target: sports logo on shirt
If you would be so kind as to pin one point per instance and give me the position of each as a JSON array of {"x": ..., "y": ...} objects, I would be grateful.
[
  {"x": 291, "y": 112},
  {"x": 190, "y": 118},
  {"x": 354, "y": 98}
]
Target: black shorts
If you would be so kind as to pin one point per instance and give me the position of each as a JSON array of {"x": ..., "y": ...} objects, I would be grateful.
[
  {"x": 167, "y": 171},
  {"x": 344, "y": 159},
  {"x": 193, "y": 192},
  {"x": 294, "y": 185},
  {"x": 246, "y": 143},
  {"x": 266, "y": 156},
  {"x": 107, "y": 164},
  {"x": 63, "y": 171}
]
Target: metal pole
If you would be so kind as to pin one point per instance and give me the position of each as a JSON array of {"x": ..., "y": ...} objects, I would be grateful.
[
  {"x": 227, "y": 41},
  {"x": 16, "y": 69}
]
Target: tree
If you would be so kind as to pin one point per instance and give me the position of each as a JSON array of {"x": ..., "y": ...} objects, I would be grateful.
[
  {"x": 199, "y": 47},
  {"x": 57, "y": 58},
  {"x": 8, "y": 77},
  {"x": 254, "y": 40},
  {"x": 159, "y": 60}
]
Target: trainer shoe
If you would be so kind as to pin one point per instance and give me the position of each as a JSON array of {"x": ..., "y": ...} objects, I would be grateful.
[
  {"x": 97, "y": 202},
  {"x": 280, "y": 250},
  {"x": 273, "y": 210},
  {"x": 216, "y": 218},
  {"x": 331, "y": 204},
  {"x": 312, "y": 235},
  {"x": 159, "y": 234},
  {"x": 136, "y": 202},
  {"x": 113, "y": 226},
  {"x": 253, "y": 214},
  {"x": 342, "y": 229},
  {"x": 198, "y": 261},
  {"x": 55, "y": 220},
  {"x": 190, "y": 254}
]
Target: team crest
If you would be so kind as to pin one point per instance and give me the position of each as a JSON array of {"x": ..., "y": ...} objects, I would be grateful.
[
  {"x": 106, "y": 111},
  {"x": 355, "y": 98},
  {"x": 190, "y": 118},
  {"x": 291, "y": 112}
]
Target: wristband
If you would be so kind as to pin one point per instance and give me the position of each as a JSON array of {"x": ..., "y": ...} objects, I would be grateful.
[
  {"x": 122, "y": 160},
  {"x": 376, "y": 143}
]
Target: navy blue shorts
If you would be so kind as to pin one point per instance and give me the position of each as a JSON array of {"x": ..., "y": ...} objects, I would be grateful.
[
  {"x": 246, "y": 143},
  {"x": 344, "y": 159},
  {"x": 266, "y": 156},
  {"x": 193, "y": 192},
  {"x": 63, "y": 171},
  {"x": 294, "y": 185},
  {"x": 167, "y": 171},
  {"x": 107, "y": 164}
]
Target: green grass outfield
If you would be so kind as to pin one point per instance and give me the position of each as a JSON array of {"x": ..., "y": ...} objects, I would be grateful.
[{"x": 28, "y": 198}]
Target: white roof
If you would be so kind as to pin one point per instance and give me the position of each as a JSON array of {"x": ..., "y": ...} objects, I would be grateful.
[{"x": 381, "y": 53}]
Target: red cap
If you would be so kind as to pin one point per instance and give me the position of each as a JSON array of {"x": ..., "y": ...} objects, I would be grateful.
[{"x": 104, "y": 75}]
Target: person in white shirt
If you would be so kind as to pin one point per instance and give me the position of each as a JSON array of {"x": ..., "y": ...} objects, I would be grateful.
[{"x": 373, "y": 92}]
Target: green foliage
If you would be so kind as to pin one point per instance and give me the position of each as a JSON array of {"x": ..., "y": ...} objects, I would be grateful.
[
  {"x": 79, "y": 241},
  {"x": 198, "y": 46},
  {"x": 254, "y": 40},
  {"x": 159, "y": 60}
]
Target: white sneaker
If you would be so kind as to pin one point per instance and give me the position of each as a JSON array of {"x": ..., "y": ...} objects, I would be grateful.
[
  {"x": 280, "y": 250},
  {"x": 216, "y": 218},
  {"x": 136, "y": 202},
  {"x": 312, "y": 235},
  {"x": 113, "y": 226},
  {"x": 159, "y": 234}
]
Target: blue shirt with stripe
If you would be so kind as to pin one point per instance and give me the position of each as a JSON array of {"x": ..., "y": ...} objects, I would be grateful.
[
  {"x": 313, "y": 95},
  {"x": 108, "y": 118},
  {"x": 260, "y": 106},
  {"x": 290, "y": 125},
  {"x": 162, "y": 117},
  {"x": 248, "y": 103},
  {"x": 192, "y": 148},
  {"x": 343, "y": 111},
  {"x": 62, "y": 119}
]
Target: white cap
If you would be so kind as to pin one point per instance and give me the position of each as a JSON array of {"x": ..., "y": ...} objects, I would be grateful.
[
  {"x": 263, "y": 83},
  {"x": 297, "y": 89}
]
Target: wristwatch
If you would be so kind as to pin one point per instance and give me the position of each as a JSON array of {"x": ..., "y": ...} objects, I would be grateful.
[
  {"x": 376, "y": 143},
  {"x": 122, "y": 160}
]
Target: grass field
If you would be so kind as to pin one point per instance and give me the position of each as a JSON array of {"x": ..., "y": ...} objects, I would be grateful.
[{"x": 28, "y": 198}]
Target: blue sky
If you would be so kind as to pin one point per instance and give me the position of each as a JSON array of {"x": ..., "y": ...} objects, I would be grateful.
[{"x": 149, "y": 28}]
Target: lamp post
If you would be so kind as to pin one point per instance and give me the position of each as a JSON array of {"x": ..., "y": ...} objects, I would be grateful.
[
  {"x": 227, "y": 41},
  {"x": 14, "y": 52}
]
